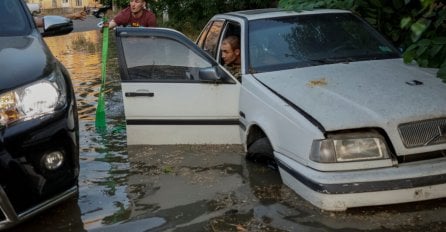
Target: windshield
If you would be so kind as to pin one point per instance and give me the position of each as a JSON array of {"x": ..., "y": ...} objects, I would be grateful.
[
  {"x": 308, "y": 40},
  {"x": 13, "y": 20}
]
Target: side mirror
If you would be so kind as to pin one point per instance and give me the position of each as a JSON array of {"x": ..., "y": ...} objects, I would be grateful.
[
  {"x": 209, "y": 74},
  {"x": 56, "y": 25}
]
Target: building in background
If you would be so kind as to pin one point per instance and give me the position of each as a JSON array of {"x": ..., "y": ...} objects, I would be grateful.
[{"x": 70, "y": 4}]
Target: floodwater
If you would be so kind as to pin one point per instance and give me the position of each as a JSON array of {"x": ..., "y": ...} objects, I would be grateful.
[{"x": 186, "y": 188}]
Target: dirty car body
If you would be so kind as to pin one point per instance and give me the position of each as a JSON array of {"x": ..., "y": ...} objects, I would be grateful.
[
  {"x": 326, "y": 97},
  {"x": 39, "y": 143}
]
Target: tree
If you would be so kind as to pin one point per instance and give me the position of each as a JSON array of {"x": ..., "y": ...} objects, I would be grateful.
[
  {"x": 416, "y": 26},
  {"x": 191, "y": 15}
]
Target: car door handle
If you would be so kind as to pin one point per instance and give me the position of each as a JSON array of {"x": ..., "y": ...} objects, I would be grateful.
[{"x": 139, "y": 94}]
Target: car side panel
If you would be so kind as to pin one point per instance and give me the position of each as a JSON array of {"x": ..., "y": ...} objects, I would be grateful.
[
  {"x": 182, "y": 113},
  {"x": 167, "y": 96},
  {"x": 289, "y": 132}
]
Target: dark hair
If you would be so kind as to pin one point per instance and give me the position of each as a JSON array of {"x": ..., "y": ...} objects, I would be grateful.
[{"x": 233, "y": 40}]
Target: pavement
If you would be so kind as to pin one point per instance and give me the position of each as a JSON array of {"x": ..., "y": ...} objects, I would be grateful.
[{"x": 90, "y": 23}]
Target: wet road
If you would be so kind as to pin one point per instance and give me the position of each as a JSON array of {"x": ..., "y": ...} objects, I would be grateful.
[
  {"x": 90, "y": 23},
  {"x": 186, "y": 188}
]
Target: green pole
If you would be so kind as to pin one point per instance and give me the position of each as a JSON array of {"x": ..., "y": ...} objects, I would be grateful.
[{"x": 100, "y": 110}]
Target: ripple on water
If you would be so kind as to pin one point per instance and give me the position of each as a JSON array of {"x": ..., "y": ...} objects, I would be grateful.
[{"x": 103, "y": 156}]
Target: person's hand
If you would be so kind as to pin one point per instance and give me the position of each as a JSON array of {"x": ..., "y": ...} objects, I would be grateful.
[
  {"x": 103, "y": 25},
  {"x": 39, "y": 21}
]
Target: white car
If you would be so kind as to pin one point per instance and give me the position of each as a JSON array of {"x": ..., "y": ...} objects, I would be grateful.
[{"x": 323, "y": 96}]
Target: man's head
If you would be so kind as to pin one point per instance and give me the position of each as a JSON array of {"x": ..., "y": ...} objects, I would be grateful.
[
  {"x": 137, "y": 6},
  {"x": 230, "y": 50}
]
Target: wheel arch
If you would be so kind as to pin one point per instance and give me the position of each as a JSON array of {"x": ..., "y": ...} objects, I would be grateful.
[
  {"x": 254, "y": 132},
  {"x": 259, "y": 148}
]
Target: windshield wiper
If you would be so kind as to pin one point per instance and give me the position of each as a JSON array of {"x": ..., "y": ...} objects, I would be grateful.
[
  {"x": 321, "y": 61},
  {"x": 345, "y": 60},
  {"x": 304, "y": 59}
]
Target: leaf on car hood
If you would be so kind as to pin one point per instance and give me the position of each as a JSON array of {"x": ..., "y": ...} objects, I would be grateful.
[{"x": 314, "y": 83}]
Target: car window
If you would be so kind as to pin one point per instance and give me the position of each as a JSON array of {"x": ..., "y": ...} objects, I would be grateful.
[
  {"x": 161, "y": 59},
  {"x": 308, "y": 40},
  {"x": 231, "y": 29},
  {"x": 201, "y": 38},
  {"x": 13, "y": 20},
  {"x": 211, "y": 40}
]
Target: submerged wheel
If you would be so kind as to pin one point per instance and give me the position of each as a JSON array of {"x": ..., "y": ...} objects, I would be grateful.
[{"x": 261, "y": 151}]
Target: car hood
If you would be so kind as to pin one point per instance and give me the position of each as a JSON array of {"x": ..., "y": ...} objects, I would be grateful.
[
  {"x": 362, "y": 94},
  {"x": 23, "y": 59}
]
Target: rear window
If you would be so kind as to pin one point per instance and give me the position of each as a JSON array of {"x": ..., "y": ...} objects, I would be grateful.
[{"x": 13, "y": 18}]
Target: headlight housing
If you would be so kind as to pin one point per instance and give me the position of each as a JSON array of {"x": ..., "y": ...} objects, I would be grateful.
[
  {"x": 37, "y": 99},
  {"x": 349, "y": 147}
]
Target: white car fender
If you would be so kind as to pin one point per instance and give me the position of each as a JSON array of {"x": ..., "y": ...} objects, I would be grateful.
[{"x": 283, "y": 126}]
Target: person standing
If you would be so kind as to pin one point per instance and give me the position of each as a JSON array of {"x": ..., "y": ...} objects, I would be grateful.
[{"x": 135, "y": 15}]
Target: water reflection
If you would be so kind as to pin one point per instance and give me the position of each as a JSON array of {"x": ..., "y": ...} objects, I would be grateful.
[
  {"x": 104, "y": 165},
  {"x": 83, "y": 65}
]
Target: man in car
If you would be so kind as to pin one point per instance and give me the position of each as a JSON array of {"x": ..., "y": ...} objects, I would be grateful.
[
  {"x": 230, "y": 53},
  {"x": 136, "y": 15}
]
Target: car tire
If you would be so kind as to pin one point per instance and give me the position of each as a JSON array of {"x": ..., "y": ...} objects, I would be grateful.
[{"x": 261, "y": 151}]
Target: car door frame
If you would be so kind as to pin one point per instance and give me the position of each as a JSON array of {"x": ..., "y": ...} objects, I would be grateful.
[{"x": 209, "y": 129}]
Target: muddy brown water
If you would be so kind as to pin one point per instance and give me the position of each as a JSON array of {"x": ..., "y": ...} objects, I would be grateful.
[{"x": 186, "y": 188}]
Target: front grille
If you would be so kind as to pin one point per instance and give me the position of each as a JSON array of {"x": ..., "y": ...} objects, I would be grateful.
[
  {"x": 421, "y": 156},
  {"x": 423, "y": 133}
]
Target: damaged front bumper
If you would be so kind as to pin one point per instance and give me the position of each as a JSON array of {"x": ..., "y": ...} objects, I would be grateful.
[{"x": 338, "y": 191}]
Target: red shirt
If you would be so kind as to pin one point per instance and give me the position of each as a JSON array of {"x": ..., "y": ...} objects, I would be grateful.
[{"x": 125, "y": 18}]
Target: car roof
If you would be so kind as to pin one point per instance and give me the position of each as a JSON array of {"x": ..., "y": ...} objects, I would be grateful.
[{"x": 276, "y": 12}]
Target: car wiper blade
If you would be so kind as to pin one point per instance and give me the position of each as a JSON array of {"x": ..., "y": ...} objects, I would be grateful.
[
  {"x": 332, "y": 60},
  {"x": 301, "y": 58},
  {"x": 379, "y": 56},
  {"x": 322, "y": 61}
]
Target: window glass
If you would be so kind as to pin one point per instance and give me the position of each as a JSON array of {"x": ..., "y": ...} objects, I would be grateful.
[
  {"x": 308, "y": 40},
  {"x": 159, "y": 58},
  {"x": 211, "y": 42},
  {"x": 202, "y": 37},
  {"x": 13, "y": 20}
]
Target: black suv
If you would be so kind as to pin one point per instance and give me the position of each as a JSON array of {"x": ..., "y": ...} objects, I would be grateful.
[{"x": 39, "y": 131}]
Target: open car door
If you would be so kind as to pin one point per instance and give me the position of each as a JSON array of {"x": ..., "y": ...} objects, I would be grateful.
[{"x": 174, "y": 93}]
